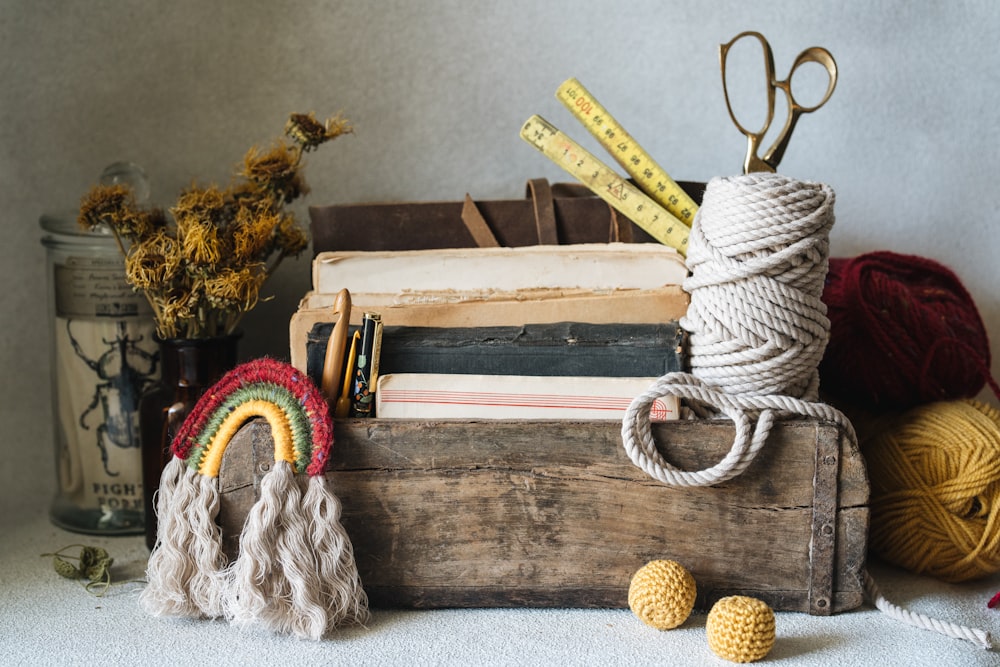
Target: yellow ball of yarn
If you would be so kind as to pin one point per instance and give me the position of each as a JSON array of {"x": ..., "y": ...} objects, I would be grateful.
[
  {"x": 935, "y": 478},
  {"x": 662, "y": 594},
  {"x": 740, "y": 628}
]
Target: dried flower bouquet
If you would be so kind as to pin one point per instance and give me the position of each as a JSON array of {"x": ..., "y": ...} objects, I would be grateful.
[{"x": 203, "y": 266}]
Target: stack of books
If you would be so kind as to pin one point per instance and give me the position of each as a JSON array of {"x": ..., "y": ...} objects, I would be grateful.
[{"x": 536, "y": 332}]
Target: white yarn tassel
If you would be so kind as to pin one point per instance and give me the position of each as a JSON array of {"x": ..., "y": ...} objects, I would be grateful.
[
  {"x": 172, "y": 566},
  {"x": 275, "y": 580},
  {"x": 207, "y": 585},
  {"x": 186, "y": 571},
  {"x": 345, "y": 599}
]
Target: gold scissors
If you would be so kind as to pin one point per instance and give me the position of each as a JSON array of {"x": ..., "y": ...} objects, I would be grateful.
[{"x": 774, "y": 154}]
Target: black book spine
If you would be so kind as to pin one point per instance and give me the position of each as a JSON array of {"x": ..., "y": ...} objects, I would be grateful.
[{"x": 560, "y": 349}]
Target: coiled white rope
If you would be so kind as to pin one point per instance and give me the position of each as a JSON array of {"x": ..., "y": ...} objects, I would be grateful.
[{"x": 758, "y": 256}]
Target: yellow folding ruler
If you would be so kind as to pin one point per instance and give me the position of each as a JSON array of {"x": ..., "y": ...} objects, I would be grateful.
[
  {"x": 627, "y": 152},
  {"x": 606, "y": 183}
]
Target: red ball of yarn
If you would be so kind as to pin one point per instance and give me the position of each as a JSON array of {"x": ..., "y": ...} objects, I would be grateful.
[{"x": 903, "y": 331}]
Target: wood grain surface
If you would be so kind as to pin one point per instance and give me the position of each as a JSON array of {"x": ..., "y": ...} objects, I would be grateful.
[{"x": 554, "y": 514}]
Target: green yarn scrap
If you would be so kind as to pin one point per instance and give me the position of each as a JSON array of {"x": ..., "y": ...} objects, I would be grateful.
[
  {"x": 269, "y": 392},
  {"x": 93, "y": 564}
]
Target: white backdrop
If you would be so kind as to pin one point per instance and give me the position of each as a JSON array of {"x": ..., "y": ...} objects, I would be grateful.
[{"x": 438, "y": 90}]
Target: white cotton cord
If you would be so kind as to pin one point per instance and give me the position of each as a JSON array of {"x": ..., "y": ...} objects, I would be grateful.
[
  {"x": 980, "y": 638},
  {"x": 274, "y": 579},
  {"x": 757, "y": 325},
  {"x": 253, "y": 590},
  {"x": 758, "y": 256},
  {"x": 750, "y": 437}
]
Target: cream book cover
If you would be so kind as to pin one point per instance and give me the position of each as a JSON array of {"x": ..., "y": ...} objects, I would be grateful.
[{"x": 595, "y": 267}]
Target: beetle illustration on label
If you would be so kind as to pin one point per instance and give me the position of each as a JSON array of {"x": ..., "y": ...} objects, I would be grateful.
[{"x": 124, "y": 371}]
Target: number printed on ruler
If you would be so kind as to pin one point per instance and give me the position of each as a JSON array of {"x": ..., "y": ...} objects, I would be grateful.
[
  {"x": 606, "y": 184},
  {"x": 652, "y": 178}
]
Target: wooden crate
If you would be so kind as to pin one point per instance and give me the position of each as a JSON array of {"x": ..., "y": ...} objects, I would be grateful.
[{"x": 554, "y": 514}]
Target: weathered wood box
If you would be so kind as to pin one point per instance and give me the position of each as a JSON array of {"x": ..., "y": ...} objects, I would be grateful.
[{"x": 554, "y": 514}]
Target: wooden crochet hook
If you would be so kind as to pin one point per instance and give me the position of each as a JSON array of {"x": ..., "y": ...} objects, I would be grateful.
[{"x": 335, "y": 347}]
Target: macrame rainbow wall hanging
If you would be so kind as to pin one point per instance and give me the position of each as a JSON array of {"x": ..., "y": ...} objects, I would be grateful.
[{"x": 295, "y": 573}]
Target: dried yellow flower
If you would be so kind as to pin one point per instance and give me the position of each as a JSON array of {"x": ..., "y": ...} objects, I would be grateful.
[
  {"x": 234, "y": 289},
  {"x": 276, "y": 165},
  {"x": 199, "y": 241},
  {"x": 198, "y": 213},
  {"x": 203, "y": 204},
  {"x": 153, "y": 263},
  {"x": 253, "y": 232},
  {"x": 306, "y": 130},
  {"x": 310, "y": 133},
  {"x": 114, "y": 205},
  {"x": 103, "y": 205},
  {"x": 290, "y": 238},
  {"x": 276, "y": 173}
]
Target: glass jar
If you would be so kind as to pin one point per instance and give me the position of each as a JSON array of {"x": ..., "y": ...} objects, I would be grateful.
[{"x": 103, "y": 357}]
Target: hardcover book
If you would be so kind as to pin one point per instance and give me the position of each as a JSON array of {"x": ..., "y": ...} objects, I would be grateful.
[
  {"x": 621, "y": 307},
  {"x": 598, "y": 266},
  {"x": 434, "y": 396},
  {"x": 557, "y": 349}
]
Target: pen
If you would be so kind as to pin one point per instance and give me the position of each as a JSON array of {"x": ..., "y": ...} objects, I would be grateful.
[
  {"x": 336, "y": 345},
  {"x": 366, "y": 370},
  {"x": 343, "y": 408}
]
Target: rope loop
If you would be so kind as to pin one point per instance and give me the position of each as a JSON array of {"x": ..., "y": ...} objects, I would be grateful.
[{"x": 752, "y": 416}]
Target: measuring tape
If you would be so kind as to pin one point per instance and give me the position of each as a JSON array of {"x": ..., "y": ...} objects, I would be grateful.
[
  {"x": 606, "y": 183},
  {"x": 626, "y": 151}
]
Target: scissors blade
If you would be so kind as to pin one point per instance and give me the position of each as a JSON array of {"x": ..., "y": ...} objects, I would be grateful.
[{"x": 752, "y": 163}]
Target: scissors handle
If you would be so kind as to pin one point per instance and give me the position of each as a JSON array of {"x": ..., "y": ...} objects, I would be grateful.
[
  {"x": 814, "y": 54},
  {"x": 769, "y": 162},
  {"x": 768, "y": 72}
]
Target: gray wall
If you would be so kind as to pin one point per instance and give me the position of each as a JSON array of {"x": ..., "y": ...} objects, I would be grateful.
[{"x": 438, "y": 90}]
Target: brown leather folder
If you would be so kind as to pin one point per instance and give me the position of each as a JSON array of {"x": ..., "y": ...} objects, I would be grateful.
[{"x": 562, "y": 213}]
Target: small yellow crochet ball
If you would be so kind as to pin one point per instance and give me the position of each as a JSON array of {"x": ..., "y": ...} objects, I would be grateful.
[
  {"x": 740, "y": 628},
  {"x": 662, "y": 594}
]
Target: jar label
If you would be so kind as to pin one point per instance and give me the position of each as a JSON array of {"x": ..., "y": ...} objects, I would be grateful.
[
  {"x": 102, "y": 369},
  {"x": 95, "y": 287}
]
